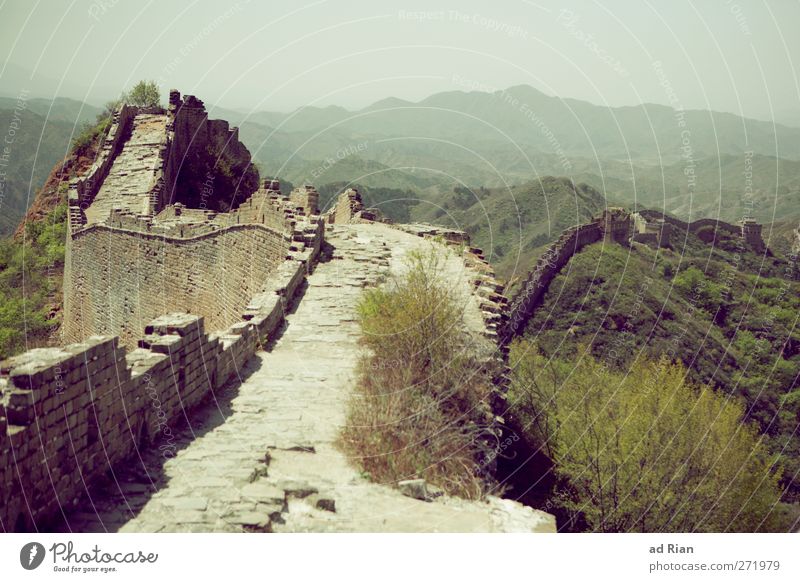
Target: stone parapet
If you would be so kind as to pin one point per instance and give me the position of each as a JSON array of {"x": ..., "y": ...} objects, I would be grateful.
[{"x": 69, "y": 415}]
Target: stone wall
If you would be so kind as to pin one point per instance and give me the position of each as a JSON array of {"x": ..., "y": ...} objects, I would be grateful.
[
  {"x": 657, "y": 234},
  {"x": 121, "y": 279},
  {"x": 189, "y": 133},
  {"x": 615, "y": 224},
  {"x": 121, "y": 274},
  {"x": 68, "y": 415},
  {"x": 350, "y": 208},
  {"x": 128, "y": 266},
  {"x": 305, "y": 199},
  {"x": 748, "y": 229},
  {"x": 547, "y": 267},
  {"x": 83, "y": 189},
  {"x": 348, "y": 205}
]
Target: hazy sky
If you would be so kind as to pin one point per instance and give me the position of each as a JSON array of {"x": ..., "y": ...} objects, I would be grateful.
[{"x": 739, "y": 56}]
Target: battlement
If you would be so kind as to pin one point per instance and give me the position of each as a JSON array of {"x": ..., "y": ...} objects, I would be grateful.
[
  {"x": 350, "y": 208},
  {"x": 305, "y": 199},
  {"x": 69, "y": 415},
  {"x": 615, "y": 225},
  {"x": 133, "y": 252},
  {"x": 655, "y": 233},
  {"x": 751, "y": 233},
  {"x": 707, "y": 229}
]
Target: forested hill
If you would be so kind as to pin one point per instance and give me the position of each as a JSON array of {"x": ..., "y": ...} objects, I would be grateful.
[
  {"x": 731, "y": 319},
  {"x": 514, "y": 224}
]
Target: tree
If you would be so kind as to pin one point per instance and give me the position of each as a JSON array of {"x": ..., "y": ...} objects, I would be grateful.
[
  {"x": 644, "y": 449},
  {"x": 144, "y": 94}
]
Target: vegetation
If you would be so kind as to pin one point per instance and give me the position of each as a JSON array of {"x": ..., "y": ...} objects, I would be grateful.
[
  {"x": 90, "y": 133},
  {"x": 30, "y": 283},
  {"x": 31, "y": 266},
  {"x": 40, "y": 142},
  {"x": 419, "y": 405},
  {"x": 513, "y": 225},
  {"x": 643, "y": 449},
  {"x": 729, "y": 319},
  {"x": 144, "y": 94}
]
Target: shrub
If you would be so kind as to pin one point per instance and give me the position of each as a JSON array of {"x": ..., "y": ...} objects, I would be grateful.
[
  {"x": 144, "y": 94},
  {"x": 29, "y": 273},
  {"x": 419, "y": 409},
  {"x": 644, "y": 450},
  {"x": 89, "y": 135},
  {"x": 695, "y": 287}
]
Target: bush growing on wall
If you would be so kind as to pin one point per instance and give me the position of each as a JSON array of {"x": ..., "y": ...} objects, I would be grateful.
[
  {"x": 419, "y": 408},
  {"x": 144, "y": 94}
]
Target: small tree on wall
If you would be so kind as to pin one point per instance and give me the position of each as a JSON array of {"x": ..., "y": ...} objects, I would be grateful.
[{"x": 144, "y": 94}]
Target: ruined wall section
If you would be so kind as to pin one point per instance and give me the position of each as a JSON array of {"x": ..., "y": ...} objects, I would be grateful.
[
  {"x": 305, "y": 199},
  {"x": 350, "y": 208},
  {"x": 121, "y": 279},
  {"x": 83, "y": 189},
  {"x": 747, "y": 229},
  {"x": 190, "y": 133},
  {"x": 69, "y": 415},
  {"x": 348, "y": 205},
  {"x": 557, "y": 255},
  {"x": 614, "y": 225},
  {"x": 132, "y": 269}
]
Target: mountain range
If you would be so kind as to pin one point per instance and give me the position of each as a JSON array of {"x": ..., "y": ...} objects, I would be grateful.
[{"x": 690, "y": 163}]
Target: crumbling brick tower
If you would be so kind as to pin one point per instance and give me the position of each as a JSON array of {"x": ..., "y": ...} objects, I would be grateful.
[
  {"x": 305, "y": 197},
  {"x": 751, "y": 233},
  {"x": 615, "y": 224}
]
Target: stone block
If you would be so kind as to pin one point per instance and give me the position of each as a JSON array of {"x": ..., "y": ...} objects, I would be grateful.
[{"x": 182, "y": 324}]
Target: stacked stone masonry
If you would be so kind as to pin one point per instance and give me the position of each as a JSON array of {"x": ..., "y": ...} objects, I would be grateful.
[
  {"x": 614, "y": 225},
  {"x": 68, "y": 415},
  {"x": 538, "y": 280},
  {"x": 706, "y": 229},
  {"x": 349, "y": 208},
  {"x": 224, "y": 280},
  {"x": 131, "y": 257}
]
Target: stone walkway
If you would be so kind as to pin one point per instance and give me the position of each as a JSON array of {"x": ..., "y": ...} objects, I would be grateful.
[
  {"x": 131, "y": 174},
  {"x": 262, "y": 457}
]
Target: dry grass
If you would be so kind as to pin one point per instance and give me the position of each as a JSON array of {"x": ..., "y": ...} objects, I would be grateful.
[{"x": 420, "y": 409}]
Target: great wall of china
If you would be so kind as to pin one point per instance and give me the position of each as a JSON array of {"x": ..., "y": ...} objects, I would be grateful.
[
  {"x": 614, "y": 225},
  {"x": 169, "y": 310},
  {"x": 176, "y": 317}
]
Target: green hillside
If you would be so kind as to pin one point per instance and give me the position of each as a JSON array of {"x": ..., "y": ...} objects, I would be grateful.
[
  {"x": 37, "y": 145},
  {"x": 513, "y": 225},
  {"x": 731, "y": 321}
]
